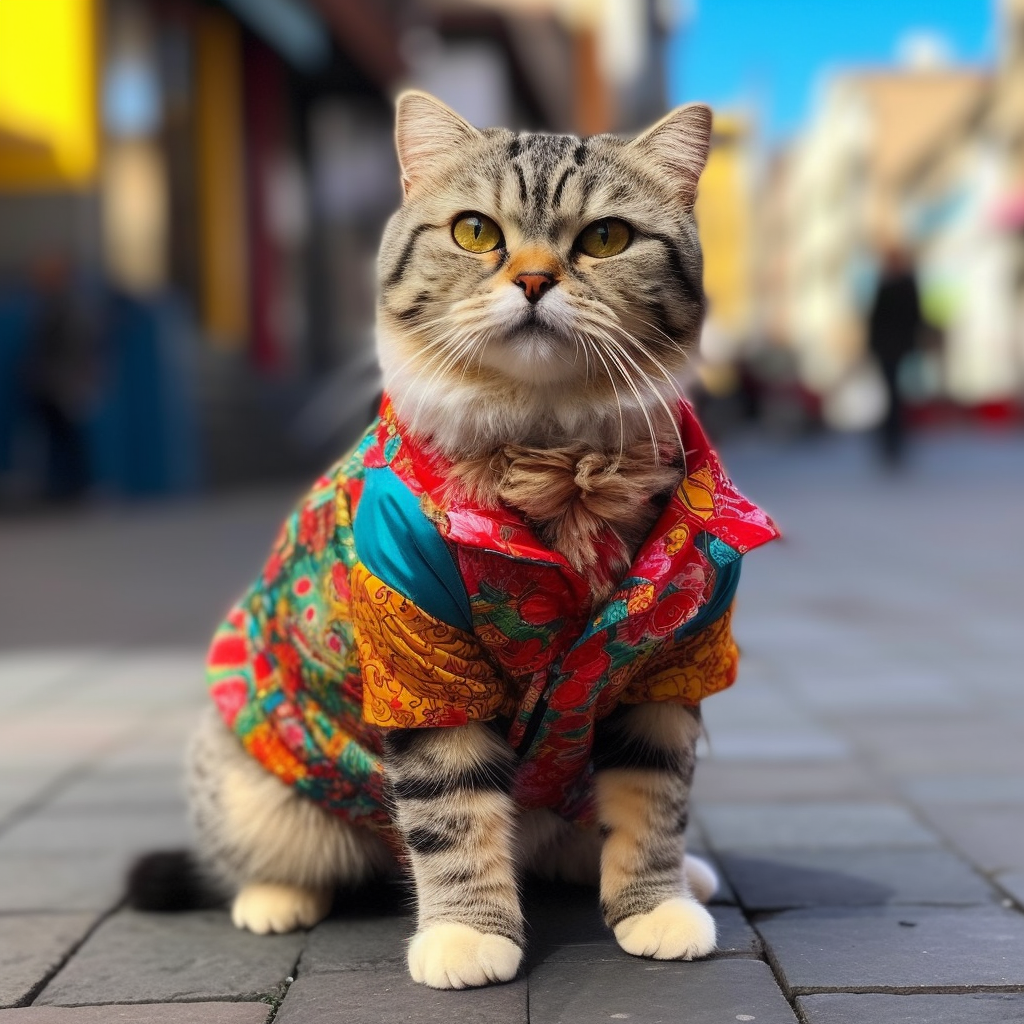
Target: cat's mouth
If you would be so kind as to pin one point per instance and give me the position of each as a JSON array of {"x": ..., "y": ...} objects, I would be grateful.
[
  {"x": 538, "y": 325},
  {"x": 537, "y": 343},
  {"x": 535, "y": 351}
]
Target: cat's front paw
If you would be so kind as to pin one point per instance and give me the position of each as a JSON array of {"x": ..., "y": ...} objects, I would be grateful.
[
  {"x": 452, "y": 955},
  {"x": 264, "y": 907},
  {"x": 679, "y": 929}
]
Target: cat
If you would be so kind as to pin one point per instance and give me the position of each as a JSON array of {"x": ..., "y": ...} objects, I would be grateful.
[{"x": 480, "y": 642}]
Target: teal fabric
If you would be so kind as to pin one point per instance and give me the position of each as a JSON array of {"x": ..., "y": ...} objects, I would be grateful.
[
  {"x": 727, "y": 561},
  {"x": 400, "y": 545}
]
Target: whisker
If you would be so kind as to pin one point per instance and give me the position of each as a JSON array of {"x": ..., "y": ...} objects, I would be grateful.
[
  {"x": 615, "y": 392},
  {"x": 633, "y": 386},
  {"x": 672, "y": 416},
  {"x": 612, "y": 323}
]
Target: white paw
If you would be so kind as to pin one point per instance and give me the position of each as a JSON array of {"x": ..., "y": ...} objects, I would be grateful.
[
  {"x": 679, "y": 929},
  {"x": 266, "y": 907},
  {"x": 700, "y": 878},
  {"x": 450, "y": 955}
]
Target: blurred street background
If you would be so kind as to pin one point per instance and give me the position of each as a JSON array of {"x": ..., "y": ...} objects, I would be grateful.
[{"x": 192, "y": 192}]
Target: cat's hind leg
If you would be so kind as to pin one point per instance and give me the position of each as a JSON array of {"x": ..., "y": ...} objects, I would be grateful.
[
  {"x": 552, "y": 848},
  {"x": 277, "y": 854}
]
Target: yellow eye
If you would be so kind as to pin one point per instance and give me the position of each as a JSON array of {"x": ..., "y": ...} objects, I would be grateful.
[
  {"x": 476, "y": 233},
  {"x": 603, "y": 238}
]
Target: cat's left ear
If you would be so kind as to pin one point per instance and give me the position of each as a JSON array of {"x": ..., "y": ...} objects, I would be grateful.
[
  {"x": 426, "y": 132},
  {"x": 679, "y": 145}
]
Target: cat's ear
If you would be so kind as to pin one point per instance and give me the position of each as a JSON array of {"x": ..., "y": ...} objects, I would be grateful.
[
  {"x": 426, "y": 132},
  {"x": 679, "y": 144}
]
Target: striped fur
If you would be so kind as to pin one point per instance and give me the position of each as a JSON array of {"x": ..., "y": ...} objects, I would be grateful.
[
  {"x": 564, "y": 408},
  {"x": 278, "y": 855},
  {"x": 644, "y": 760},
  {"x": 451, "y": 800}
]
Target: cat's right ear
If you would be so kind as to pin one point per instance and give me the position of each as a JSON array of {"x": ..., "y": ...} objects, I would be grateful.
[
  {"x": 679, "y": 145},
  {"x": 426, "y": 132}
]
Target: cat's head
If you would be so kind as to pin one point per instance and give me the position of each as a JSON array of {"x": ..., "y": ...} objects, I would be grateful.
[{"x": 529, "y": 275}]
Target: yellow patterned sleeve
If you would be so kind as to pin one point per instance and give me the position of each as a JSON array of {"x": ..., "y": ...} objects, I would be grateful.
[
  {"x": 702, "y": 665},
  {"x": 417, "y": 670}
]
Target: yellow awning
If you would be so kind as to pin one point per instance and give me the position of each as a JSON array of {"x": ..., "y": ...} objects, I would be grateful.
[{"x": 48, "y": 94}]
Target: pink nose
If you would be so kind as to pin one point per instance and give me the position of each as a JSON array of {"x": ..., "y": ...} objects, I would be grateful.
[{"x": 535, "y": 284}]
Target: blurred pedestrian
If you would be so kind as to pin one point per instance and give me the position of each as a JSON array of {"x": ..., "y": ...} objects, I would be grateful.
[
  {"x": 63, "y": 377},
  {"x": 893, "y": 327}
]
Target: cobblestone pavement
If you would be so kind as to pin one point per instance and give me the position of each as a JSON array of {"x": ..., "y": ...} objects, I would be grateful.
[{"x": 862, "y": 791}]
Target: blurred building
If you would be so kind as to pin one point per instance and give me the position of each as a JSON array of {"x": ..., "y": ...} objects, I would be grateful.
[
  {"x": 217, "y": 172},
  {"x": 842, "y": 201},
  {"x": 964, "y": 199},
  {"x": 725, "y": 218},
  {"x": 774, "y": 249}
]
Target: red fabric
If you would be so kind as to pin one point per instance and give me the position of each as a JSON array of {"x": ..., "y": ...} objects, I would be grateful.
[{"x": 570, "y": 659}]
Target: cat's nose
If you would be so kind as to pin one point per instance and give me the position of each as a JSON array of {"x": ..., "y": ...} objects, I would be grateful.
[{"x": 535, "y": 284}]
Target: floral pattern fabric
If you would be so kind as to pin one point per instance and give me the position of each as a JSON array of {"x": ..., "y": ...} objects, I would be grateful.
[{"x": 322, "y": 652}]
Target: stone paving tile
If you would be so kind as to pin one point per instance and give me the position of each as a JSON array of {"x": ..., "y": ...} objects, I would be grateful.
[
  {"x": 32, "y": 945},
  {"x": 357, "y": 944},
  {"x": 27, "y": 678},
  {"x": 967, "y": 788},
  {"x": 157, "y": 752},
  {"x": 809, "y": 878},
  {"x": 136, "y": 958},
  {"x": 991, "y": 836},
  {"x": 904, "y": 745},
  {"x": 966, "y": 1008},
  {"x": 49, "y": 761},
  {"x": 757, "y": 702},
  {"x": 141, "y": 1013},
  {"x": 49, "y": 735},
  {"x": 846, "y": 688},
  {"x": 371, "y": 997},
  {"x": 128, "y": 831},
  {"x": 558, "y": 915},
  {"x": 85, "y": 881},
  {"x": 561, "y": 927},
  {"x": 774, "y": 745},
  {"x": 774, "y": 631},
  {"x": 735, "y": 936},
  {"x": 735, "y": 939},
  {"x": 20, "y": 786},
  {"x": 124, "y": 789},
  {"x": 1013, "y": 883},
  {"x": 649, "y": 991},
  {"x": 811, "y": 826},
  {"x": 896, "y": 948},
  {"x": 737, "y": 782},
  {"x": 150, "y": 680}
]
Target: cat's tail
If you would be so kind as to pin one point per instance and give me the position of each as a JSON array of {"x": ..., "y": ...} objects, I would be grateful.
[{"x": 170, "y": 881}]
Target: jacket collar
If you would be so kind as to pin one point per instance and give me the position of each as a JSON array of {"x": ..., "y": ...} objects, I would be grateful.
[{"x": 705, "y": 500}]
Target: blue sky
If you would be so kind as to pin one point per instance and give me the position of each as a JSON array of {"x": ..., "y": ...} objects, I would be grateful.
[{"x": 769, "y": 54}]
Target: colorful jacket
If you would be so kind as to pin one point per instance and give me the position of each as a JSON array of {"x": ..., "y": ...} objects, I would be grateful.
[{"x": 384, "y": 604}]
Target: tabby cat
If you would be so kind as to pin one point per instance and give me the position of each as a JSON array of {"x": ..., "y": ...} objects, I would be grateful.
[{"x": 479, "y": 645}]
